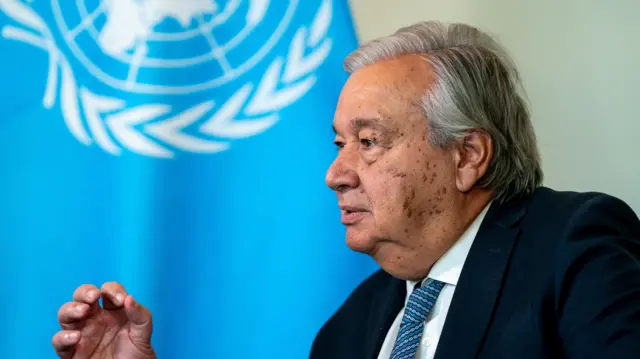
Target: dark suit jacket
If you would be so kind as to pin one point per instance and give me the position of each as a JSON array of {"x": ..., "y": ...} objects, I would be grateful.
[{"x": 551, "y": 275}]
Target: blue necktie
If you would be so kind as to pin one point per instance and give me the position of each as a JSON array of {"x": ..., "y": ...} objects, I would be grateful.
[{"x": 416, "y": 311}]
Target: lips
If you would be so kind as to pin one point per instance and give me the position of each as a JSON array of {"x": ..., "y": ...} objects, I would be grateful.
[{"x": 351, "y": 215}]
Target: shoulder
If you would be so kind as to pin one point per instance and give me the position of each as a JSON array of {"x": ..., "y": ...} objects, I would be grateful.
[
  {"x": 594, "y": 225},
  {"x": 568, "y": 223},
  {"x": 595, "y": 236},
  {"x": 562, "y": 210},
  {"x": 596, "y": 272}
]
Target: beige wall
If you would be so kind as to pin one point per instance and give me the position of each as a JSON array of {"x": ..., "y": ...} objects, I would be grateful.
[{"x": 580, "y": 60}]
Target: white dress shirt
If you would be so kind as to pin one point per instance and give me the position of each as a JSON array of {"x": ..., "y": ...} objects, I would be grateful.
[{"x": 447, "y": 270}]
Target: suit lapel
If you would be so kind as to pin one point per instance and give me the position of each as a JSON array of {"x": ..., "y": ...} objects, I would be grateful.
[
  {"x": 385, "y": 309},
  {"x": 480, "y": 282}
]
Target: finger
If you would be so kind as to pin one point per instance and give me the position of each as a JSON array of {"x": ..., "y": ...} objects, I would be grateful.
[
  {"x": 72, "y": 312},
  {"x": 64, "y": 342},
  {"x": 140, "y": 321},
  {"x": 113, "y": 295},
  {"x": 88, "y": 293}
]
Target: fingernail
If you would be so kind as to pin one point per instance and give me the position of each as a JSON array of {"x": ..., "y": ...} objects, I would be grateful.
[
  {"x": 71, "y": 336},
  {"x": 92, "y": 295},
  {"x": 119, "y": 298},
  {"x": 79, "y": 308}
]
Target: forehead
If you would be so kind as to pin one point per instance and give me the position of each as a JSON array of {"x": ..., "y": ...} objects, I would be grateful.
[{"x": 387, "y": 90}]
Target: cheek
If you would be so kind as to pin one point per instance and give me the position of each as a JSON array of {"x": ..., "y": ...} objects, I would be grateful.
[
  {"x": 384, "y": 188},
  {"x": 416, "y": 185},
  {"x": 424, "y": 191},
  {"x": 391, "y": 193},
  {"x": 406, "y": 188},
  {"x": 435, "y": 180}
]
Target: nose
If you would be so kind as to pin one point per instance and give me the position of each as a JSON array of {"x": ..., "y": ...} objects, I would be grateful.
[{"x": 341, "y": 175}]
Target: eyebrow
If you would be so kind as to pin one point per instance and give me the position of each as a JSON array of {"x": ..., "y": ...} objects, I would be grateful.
[{"x": 358, "y": 123}]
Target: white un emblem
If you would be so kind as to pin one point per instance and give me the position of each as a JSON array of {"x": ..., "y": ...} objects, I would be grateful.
[{"x": 160, "y": 76}]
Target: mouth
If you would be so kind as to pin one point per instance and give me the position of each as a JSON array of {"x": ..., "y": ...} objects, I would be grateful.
[{"x": 352, "y": 215}]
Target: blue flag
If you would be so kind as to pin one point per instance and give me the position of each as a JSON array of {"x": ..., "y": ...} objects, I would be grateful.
[{"x": 179, "y": 148}]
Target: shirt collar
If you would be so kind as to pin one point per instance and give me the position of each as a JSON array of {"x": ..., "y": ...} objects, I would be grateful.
[{"x": 447, "y": 269}]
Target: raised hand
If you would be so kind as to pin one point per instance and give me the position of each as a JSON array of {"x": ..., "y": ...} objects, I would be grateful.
[{"x": 120, "y": 329}]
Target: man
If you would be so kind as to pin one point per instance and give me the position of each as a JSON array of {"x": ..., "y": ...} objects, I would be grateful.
[{"x": 438, "y": 178}]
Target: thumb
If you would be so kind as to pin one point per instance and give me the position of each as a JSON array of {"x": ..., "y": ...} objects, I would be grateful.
[{"x": 140, "y": 321}]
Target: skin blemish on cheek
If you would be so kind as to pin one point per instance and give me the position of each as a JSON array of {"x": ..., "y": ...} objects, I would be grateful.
[
  {"x": 439, "y": 195},
  {"x": 395, "y": 173},
  {"x": 407, "y": 203},
  {"x": 437, "y": 198},
  {"x": 407, "y": 207}
]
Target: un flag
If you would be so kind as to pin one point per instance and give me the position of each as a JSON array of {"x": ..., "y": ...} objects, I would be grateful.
[{"x": 177, "y": 147}]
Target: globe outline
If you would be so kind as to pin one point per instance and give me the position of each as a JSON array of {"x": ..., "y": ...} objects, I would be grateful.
[
  {"x": 156, "y": 62},
  {"x": 148, "y": 88},
  {"x": 179, "y": 36}
]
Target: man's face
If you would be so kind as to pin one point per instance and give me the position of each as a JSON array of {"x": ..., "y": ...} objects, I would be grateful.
[{"x": 395, "y": 190}]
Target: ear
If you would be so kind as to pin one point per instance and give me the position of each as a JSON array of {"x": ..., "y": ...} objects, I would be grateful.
[{"x": 472, "y": 156}]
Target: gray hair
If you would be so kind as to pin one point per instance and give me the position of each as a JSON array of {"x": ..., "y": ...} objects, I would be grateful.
[{"x": 477, "y": 87}]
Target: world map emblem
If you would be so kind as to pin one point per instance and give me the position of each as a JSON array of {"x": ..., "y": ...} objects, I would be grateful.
[{"x": 160, "y": 77}]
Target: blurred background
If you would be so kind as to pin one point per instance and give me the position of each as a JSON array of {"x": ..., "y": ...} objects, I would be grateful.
[{"x": 184, "y": 155}]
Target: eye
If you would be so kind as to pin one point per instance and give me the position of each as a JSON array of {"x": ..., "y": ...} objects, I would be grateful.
[
  {"x": 367, "y": 143},
  {"x": 338, "y": 144}
]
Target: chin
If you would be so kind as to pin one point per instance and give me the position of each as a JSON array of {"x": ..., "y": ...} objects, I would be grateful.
[
  {"x": 390, "y": 258},
  {"x": 360, "y": 242}
]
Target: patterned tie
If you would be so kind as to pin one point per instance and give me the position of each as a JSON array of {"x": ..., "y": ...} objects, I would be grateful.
[{"x": 416, "y": 311}]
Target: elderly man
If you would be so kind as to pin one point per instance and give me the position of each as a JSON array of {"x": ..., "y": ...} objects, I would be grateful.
[{"x": 438, "y": 178}]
